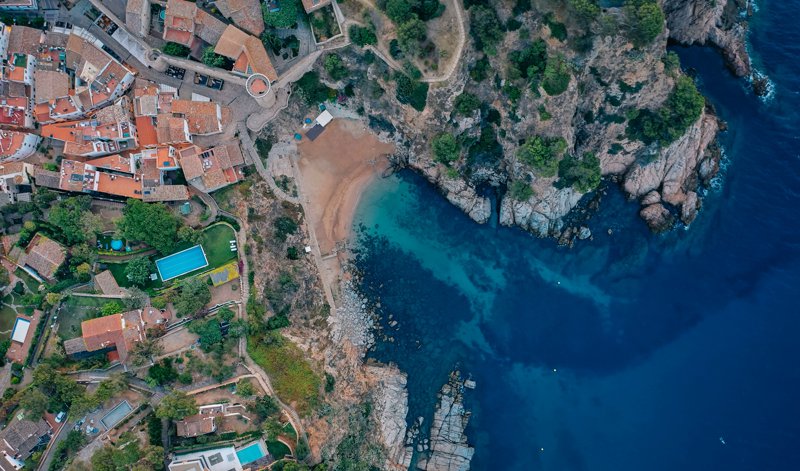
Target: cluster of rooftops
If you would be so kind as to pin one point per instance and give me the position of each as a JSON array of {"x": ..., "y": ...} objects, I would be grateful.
[{"x": 116, "y": 143}]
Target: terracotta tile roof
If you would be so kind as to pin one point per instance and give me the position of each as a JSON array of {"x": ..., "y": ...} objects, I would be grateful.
[
  {"x": 195, "y": 425},
  {"x": 44, "y": 255},
  {"x": 120, "y": 331},
  {"x": 171, "y": 129},
  {"x": 234, "y": 152},
  {"x": 50, "y": 84},
  {"x": 244, "y": 13},
  {"x": 113, "y": 162},
  {"x": 208, "y": 27},
  {"x": 235, "y": 42},
  {"x": 46, "y": 178},
  {"x": 107, "y": 284},
  {"x": 203, "y": 117},
  {"x": 137, "y": 14},
  {"x": 191, "y": 164},
  {"x": 73, "y": 346},
  {"x": 165, "y": 193},
  {"x": 25, "y": 40}
]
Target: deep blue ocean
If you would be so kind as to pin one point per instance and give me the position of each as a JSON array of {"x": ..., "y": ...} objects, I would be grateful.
[{"x": 632, "y": 351}]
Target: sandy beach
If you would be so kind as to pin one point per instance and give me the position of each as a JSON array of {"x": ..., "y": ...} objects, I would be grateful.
[{"x": 336, "y": 167}]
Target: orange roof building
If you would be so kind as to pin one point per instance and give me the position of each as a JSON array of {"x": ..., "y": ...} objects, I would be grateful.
[
  {"x": 244, "y": 13},
  {"x": 17, "y": 145},
  {"x": 44, "y": 256},
  {"x": 246, "y": 51},
  {"x": 188, "y": 25},
  {"x": 214, "y": 168},
  {"x": 115, "y": 333},
  {"x": 109, "y": 131},
  {"x": 202, "y": 117}
]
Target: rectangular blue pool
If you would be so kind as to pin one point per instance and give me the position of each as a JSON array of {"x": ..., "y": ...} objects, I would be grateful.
[
  {"x": 181, "y": 263},
  {"x": 251, "y": 453},
  {"x": 115, "y": 415}
]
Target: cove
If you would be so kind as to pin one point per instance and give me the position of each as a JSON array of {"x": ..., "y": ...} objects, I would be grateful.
[{"x": 630, "y": 351}]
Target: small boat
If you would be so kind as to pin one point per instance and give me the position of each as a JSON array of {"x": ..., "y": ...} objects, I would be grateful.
[{"x": 722, "y": 440}]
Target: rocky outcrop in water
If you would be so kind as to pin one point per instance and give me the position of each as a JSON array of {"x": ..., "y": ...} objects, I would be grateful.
[
  {"x": 447, "y": 449},
  {"x": 720, "y": 23},
  {"x": 391, "y": 408}
]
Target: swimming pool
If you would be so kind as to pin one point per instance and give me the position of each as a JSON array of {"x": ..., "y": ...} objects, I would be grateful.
[
  {"x": 251, "y": 453},
  {"x": 116, "y": 414},
  {"x": 181, "y": 263}
]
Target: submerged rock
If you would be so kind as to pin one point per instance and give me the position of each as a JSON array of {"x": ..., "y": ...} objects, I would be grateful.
[{"x": 449, "y": 450}]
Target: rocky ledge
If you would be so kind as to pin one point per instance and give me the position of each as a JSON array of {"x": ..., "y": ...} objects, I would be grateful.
[{"x": 447, "y": 448}]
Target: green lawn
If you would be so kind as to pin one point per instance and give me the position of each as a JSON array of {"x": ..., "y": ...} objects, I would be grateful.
[
  {"x": 277, "y": 449},
  {"x": 75, "y": 310},
  {"x": 30, "y": 282},
  {"x": 7, "y": 316},
  {"x": 216, "y": 244},
  {"x": 118, "y": 270}
]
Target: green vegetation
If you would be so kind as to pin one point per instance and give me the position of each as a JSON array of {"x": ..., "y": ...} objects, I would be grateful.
[
  {"x": 480, "y": 70},
  {"x": 311, "y": 90},
  {"x": 175, "y": 49},
  {"x": 59, "y": 390},
  {"x": 151, "y": 223},
  {"x": 283, "y": 18},
  {"x": 284, "y": 227},
  {"x": 112, "y": 307},
  {"x": 66, "y": 448},
  {"x": 557, "y": 30},
  {"x": 138, "y": 270},
  {"x": 72, "y": 218},
  {"x": 324, "y": 23},
  {"x": 585, "y": 10},
  {"x": 672, "y": 63},
  {"x": 486, "y": 151},
  {"x": 212, "y": 59},
  {"x": 105, "y": 391},
  {"x": 556, "y": 76},
  {"x": 645, "y": 21},
  {"x": 335, "y": 67},
  {"x": 446, "y": 148},
  {"x": 176, "y": 405},
  {"x": 194, "y": 294},
  {"x": 356, "y": 452},
  {"x": 362, "y": 36},
  {"x": 485, "y": 28},
  {"x": 520, "y": 190},
  {"x": 542, "y": 154},
  {"x": 410, "y": 34},
  {"x": 128, "y": 454},
  {"x": 162, "y": 372},
  {"x": 294, "y": 380},
  {"x": 544, "y": 115},
  {"x": 682, "y": 108},
  {"x": 467, "y": 103},
  {"x": 411, "y": 92},
  {"x": 215, "y": 240},
  {"x": 528, "y": 63},
  {"x": 581, "y": 174}
]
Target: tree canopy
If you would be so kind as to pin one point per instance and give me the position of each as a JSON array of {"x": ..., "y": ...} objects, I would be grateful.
[
  {"x": 683, "y": 107},
  {"x": 285, "y": 17},
  {"x": 446, "y": 148},
  {"x": 542, "y": 154},
  {"x": 335, "y": 67},
  {"x": 175, "y": 49},
  {"x": 138, "y": 270},
  {"x": 72, "y": 218},
  {"x": 194, "y": 294},
  {"x": 485, "y": 28},
  {"x": 581, "y": 174},
  {"x": 212, "y": 59},
  {"x": 176, "y": 405},
  {"x": 151, "y": 223},
  {"x": 645, "y": 21},
  {"x": 556, "y": 76}
]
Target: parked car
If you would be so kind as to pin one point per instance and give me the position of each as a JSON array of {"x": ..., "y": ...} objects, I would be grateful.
[{"x": 61, "y": 416}]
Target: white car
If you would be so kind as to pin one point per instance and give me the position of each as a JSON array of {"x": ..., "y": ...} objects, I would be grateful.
[{"x": 61, "y": 416}]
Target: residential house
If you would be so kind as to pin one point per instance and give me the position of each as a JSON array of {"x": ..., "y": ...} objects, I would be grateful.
[
  {"x": 202, "y": 117},
  {"x": 20, "y": 439},
  {"x": 137, "y": 17},
  {"x": 244, "y": 13},
  {"x": 110, "y": 130},
  {"x": 190, "y": 26},
  {"x": 15, "y": 181},
  {"x": 99, "y": 78},
  {"x": 17, "y": 145},
  {"x": 207, "y": 419},
  {"x": 213, "y": 168},
  {"x": 149, "y": 101},
  {"x": 42, "y": 258},
  {"x": 22, "y": 336},
  {"x": 113, "y": 335},
  {"x": 247, "y": 52},
  {"x": 107, "y": 284}
]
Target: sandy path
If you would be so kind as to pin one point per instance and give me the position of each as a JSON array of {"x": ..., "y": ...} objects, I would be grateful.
[{"x": 336, "y": 168}]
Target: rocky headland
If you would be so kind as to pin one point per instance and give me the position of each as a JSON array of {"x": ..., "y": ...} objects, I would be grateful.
[{"x": 611, "y": 80}]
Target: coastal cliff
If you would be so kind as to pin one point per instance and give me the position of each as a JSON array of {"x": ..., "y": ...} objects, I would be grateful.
[{"x": 612, "y": 79}]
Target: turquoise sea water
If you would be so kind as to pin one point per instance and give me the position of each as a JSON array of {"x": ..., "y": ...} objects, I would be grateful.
[{"x": 630, "y": 351}]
